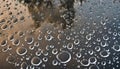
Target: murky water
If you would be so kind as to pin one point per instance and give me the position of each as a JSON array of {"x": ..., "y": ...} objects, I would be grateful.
[{"x": 59, "y": 34}]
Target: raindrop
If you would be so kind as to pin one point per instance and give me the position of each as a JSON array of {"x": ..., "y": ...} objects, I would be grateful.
[
  {"x": 116, "y": 48},
  {"x": 97, "y": 48},
  {"x": 24, "y": 65},
  {"x": 55, "y": 62},
  {"x": 94, "y": 67},
  {"x": 31, "y": 47},
  {"x": 11, "y": 37},
  {"x": 76, "y": 41},
  {"x": 16, "y": 42},
  {"x": 70, "y": 46},
  {"x": 88, "y": 37},
  {"x": 105, "y": 37},
  {"x": 38, "y": 53},
  {"x": 20, "y": 33},
  {"x": 85, "y": 62},
  {"x": 92, "y": 60},
  {"x": 10, "y": 59},
  {"x": 21, "y": 51},
  {"x": 45, "y": 59},
  {"x": 54, "y": 51},
  {"x": 4, "y": 27},
  {"x": 103, "y": 63},
  {"x": 3, "y": 43},
  {"x": 64, "y": 56},
  {"x": 29, "y": 40},
  {"x": 78, "y": 55},
  {"x": 104, "y": 53},
  {"x": 36, "y": 61},
  {"x": 49, "y": 37}
]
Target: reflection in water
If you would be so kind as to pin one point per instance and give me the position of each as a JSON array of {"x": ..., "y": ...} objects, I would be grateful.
[{"x": 58, "y": 12}]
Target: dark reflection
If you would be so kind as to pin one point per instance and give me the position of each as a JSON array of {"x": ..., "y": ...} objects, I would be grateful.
[{"x": 47, "y": 11}]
